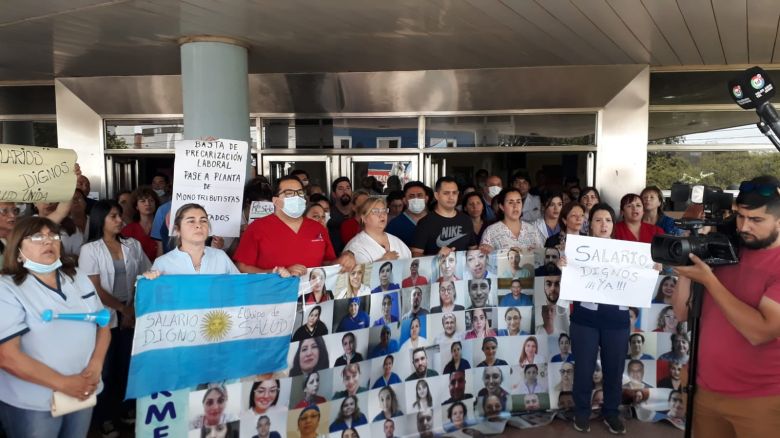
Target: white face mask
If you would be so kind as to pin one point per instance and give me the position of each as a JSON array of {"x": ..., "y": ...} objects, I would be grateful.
[
  {"x": 160, "y": 192},
  {"x": 416, "y": 205},
  {"x": 493, "y": 191},
  {"x": 294, "y": 207},
  {"x": 327, "y": 217}
]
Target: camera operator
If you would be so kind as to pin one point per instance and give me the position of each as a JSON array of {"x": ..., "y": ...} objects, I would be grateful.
[{"x": 738, "y": 393}]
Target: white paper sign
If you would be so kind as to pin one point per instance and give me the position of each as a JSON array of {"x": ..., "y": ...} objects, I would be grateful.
[
  {"x": 608, "y": 271},
  {"x": 260, "y": 209},
  {"x": 212, "y": 174}
]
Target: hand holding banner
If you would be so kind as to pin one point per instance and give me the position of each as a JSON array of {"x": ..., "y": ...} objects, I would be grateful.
[
  {"x": 608, "y": 271},
  {"x": 36, "y": 174}
]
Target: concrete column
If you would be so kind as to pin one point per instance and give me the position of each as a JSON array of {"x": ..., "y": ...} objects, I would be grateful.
[
  {"x": 621, "y": 160},
  {"x": 215, "y": 88}
]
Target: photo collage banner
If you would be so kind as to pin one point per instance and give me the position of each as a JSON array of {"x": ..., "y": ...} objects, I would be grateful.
[{"x": 429, "y": 346}]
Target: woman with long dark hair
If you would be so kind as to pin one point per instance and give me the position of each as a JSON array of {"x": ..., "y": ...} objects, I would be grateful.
[
  {"x": 599, "y": 327},
  {"x": 113, "y": 263},
  {"x": 474, "y": 207},
  {"x": 510, "y": 231},
  {"x": 145, "y": 201}
]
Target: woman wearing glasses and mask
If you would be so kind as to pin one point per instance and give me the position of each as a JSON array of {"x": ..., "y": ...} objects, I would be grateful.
[
  {"x": 37, "y": 357},
  {"x": 373, "y": 243}
]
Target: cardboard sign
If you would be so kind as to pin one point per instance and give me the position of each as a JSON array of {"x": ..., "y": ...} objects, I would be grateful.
[
  {"x": 260, "y": 209},
  {"x": 608, "y": 271},
  {"x": 36, "y": 174},
  {"x": 212, "y": 174}
]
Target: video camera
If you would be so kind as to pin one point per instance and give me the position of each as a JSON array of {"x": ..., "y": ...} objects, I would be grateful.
[{"x": 714, "y": 248}]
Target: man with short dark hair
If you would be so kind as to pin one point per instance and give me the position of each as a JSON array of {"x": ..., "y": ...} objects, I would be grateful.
[
  {"x": 416, "y": 207},
  {"x": 286, "y": 242},
  {"x": 425, "y": 423},
  {"x": 635, "y": 343},
  {"x": 457, "y": 387},
  {"x": 493, "y": 186},
  {"x": 532, "y": 205},
  {"x": 420, "y": 364},
  {"x": 738, "y": 386},
  {"x": 389, "y": 428},
  {"x": 341, "y": 209},
  {"x": 161, "y": 184},
  {"x": 445, "y": 229}
]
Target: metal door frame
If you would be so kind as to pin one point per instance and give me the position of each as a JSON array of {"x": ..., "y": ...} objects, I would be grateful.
[{"x": 331, "y": 163}]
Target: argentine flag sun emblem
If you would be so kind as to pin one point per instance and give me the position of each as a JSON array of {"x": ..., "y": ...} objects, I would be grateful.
[{"x": 216, "y": 325}]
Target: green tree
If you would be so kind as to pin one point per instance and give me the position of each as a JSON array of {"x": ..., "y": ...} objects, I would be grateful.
[
  {"x": 114, "y": 141},
  {"x": 666, "y": 168}
]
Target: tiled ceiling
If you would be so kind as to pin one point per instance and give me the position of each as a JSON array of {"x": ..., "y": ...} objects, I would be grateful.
[{"x": 46, "y": 39}]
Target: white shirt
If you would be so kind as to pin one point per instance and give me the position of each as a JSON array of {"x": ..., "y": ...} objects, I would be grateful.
[
  {"x": 71, "y": 245},
  {"x": 499, "y": 236},
  {"x": 95, "y": 259},
  {"x": 367, "y": 250}
]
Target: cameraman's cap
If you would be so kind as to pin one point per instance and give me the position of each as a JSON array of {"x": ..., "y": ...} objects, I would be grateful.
[{"x": 758, "y": 191}]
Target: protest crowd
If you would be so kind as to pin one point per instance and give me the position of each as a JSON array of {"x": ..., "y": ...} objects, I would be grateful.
[{"x": 85, "y": 255}]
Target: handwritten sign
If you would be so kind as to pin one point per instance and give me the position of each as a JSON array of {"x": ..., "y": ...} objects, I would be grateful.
[
  {"x": 212, "y": 173},
  {"x": 36, "y": 174},
  {"x": 608, "y": 271},
  {"x": 260, "y": 209}
]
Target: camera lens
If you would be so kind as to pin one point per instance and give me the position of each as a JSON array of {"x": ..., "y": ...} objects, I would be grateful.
[{"x": 676, "y": 249}]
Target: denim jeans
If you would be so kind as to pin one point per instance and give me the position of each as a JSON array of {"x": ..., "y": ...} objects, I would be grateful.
[
  {"x": 25, "y": 423},
  {"x": 585, "y": 344}
]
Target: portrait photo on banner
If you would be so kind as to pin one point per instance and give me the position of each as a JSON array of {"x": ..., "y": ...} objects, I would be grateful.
[{"x": 440, "y": 344}]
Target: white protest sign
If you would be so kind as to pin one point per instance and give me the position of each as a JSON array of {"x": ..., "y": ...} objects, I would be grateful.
[
  {"x": 260, "y": 209},
  {"x": 608, "y": 271},
  {"x": 212, "y": 174},
  {"x": 36, "y": 174}
]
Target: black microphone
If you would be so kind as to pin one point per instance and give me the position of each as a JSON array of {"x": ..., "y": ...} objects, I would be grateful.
[{"x": 752, "y": 89}]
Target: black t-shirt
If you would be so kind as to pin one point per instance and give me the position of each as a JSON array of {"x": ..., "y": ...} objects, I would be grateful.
[{"x": 435, "y": 232}]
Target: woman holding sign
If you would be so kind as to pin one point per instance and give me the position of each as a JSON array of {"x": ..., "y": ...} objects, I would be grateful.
[{"x": 595, "y": 326}]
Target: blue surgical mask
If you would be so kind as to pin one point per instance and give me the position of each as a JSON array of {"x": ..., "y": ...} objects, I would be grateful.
[
  {"x": 294, "y": 206},
  {"x": 40, "y": 268}
]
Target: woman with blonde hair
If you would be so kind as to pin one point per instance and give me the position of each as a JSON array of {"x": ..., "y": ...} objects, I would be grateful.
[
  {"x": 373, "y": 243},
  {"x": 355, "y": 286}
]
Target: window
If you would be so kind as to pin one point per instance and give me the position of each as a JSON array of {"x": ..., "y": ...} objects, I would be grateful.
[
  {"x": 346, "y": 133},
  {"x": 510, "y": 130}
]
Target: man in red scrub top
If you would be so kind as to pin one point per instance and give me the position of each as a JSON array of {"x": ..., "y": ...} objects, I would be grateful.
[{"x": 286, "y": 242}]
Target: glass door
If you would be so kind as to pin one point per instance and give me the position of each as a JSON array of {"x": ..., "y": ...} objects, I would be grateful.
[
  {"x": 358, "y": 168},
  {"x": 322, "y": 169}
]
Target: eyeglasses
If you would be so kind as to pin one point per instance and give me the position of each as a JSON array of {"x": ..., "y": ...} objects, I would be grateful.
[
  {"x": 40, "y": 238},
  {"x": 9, "y": 211},
  {"x": 567, "y": 371},
  {"x": 379, "y": 211},
  {"x": 292, "y": 193},
  {"x": 765, "y": 190}
]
